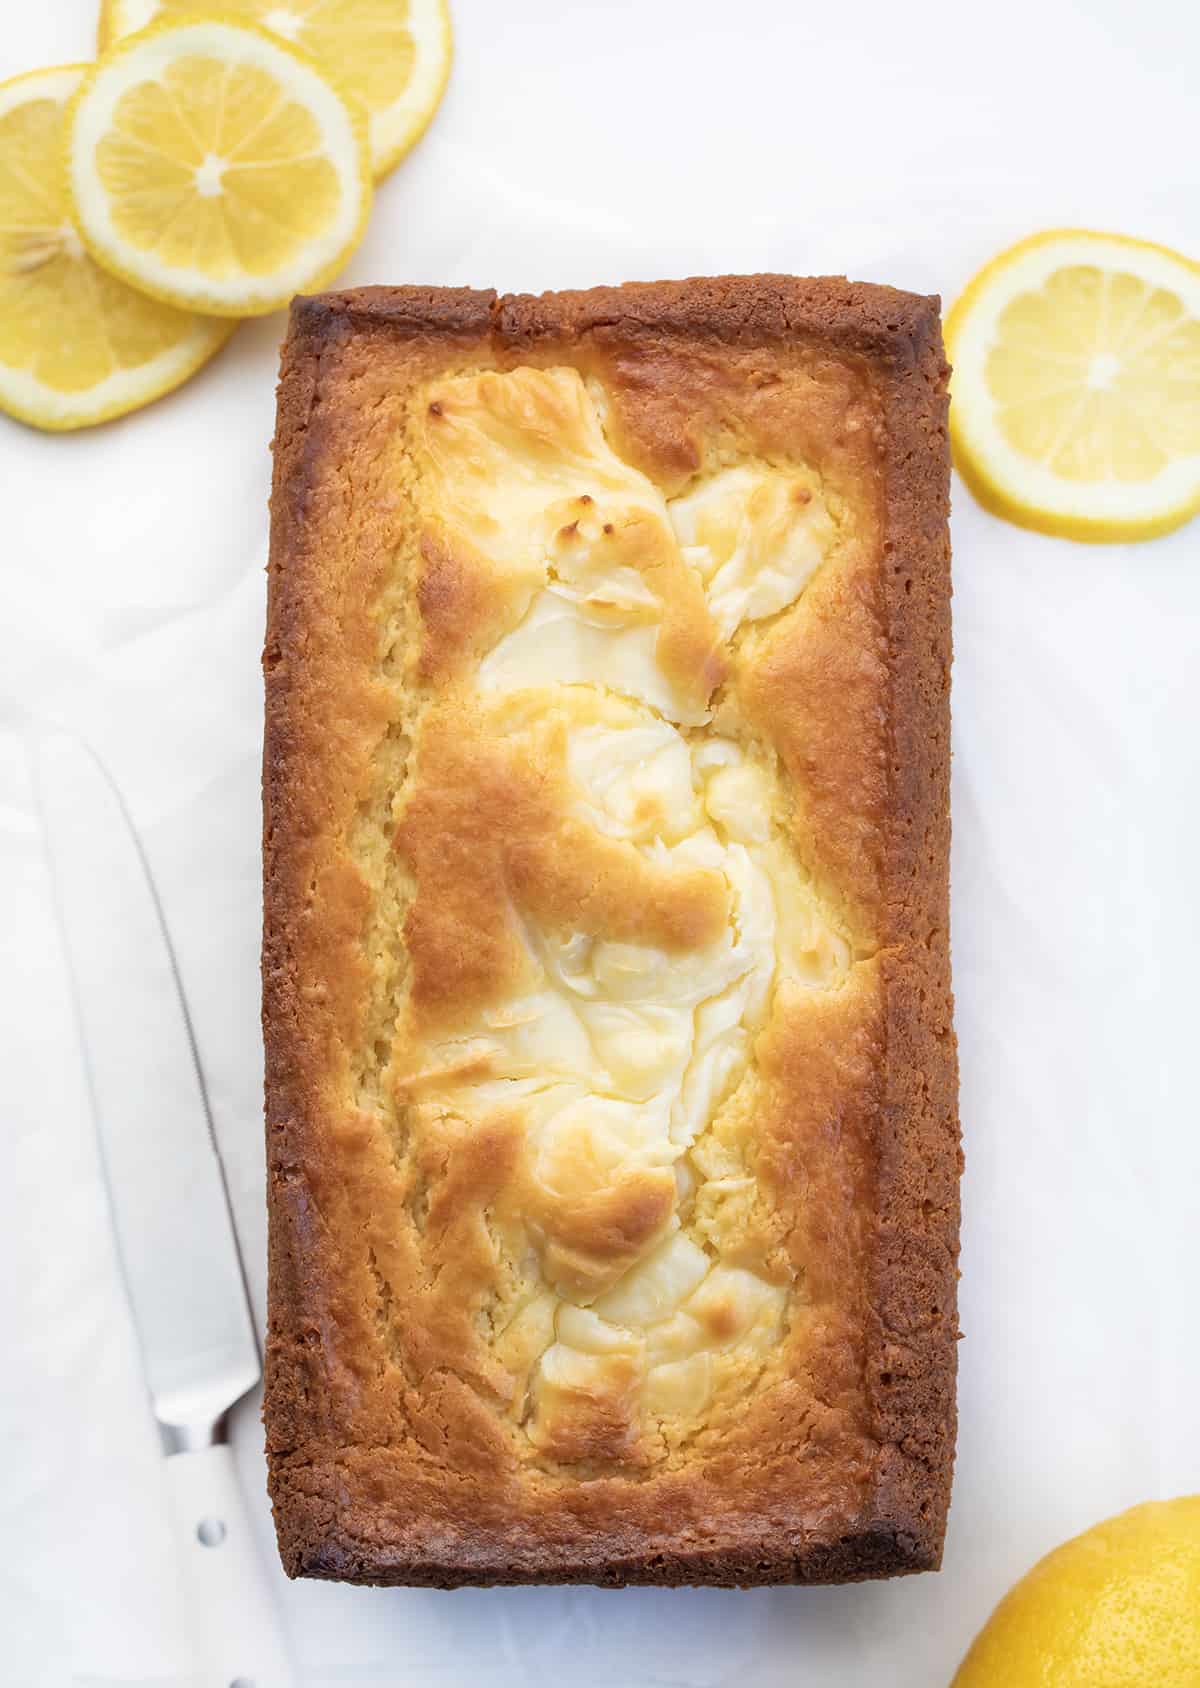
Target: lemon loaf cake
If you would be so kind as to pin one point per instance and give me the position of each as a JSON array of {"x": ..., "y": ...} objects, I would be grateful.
[{"x": 611, "y": 1086}]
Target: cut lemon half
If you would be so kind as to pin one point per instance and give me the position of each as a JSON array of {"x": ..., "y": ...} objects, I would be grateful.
[
  {"x": 1076, "y": 385},
  {"x": 393, "y": 55},
  {"x": 76, "y": 345},
  {"x": 216, "y": 168}
]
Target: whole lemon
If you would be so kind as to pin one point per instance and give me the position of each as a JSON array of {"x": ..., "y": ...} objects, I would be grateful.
[{"x": 1117, "y": 1607}]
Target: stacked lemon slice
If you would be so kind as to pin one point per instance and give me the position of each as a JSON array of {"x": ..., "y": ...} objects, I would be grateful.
[
  {"x": 76, "y": 345},
  {"x": 393, "y": 56},
  {"x": 207, "y": 167},
  {"x": 212, "y": 166}
]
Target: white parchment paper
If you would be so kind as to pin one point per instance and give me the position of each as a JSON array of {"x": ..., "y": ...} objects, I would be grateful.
[{"x": 583, "y": 143}]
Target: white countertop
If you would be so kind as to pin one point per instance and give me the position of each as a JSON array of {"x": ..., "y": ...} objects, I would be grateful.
[{"x": 578, "y": 143}]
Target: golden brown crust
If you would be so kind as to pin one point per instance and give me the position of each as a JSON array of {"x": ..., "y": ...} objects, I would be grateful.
[{"x": 389, "y": 1457}]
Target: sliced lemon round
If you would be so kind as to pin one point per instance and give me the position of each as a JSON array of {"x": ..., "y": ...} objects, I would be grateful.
[
  {"x": 393, "y": 55},
  {"x": 216, "y": 168},
  {"x": 1076, "y": 387},
  {"x": 76, "y": 345}
]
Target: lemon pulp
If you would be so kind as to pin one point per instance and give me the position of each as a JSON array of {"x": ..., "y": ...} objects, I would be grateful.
[
  {"x": 1076, "y": 389},
  {"x": 77, "y": 345}
]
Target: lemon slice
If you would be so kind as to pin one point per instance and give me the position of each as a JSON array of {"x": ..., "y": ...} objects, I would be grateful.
[
  {"x": 216, "y": 168},
  {"x": 393, "y": 55},
  {"x": 1076, "y": 386},
  {"x": 76, "y": 345}
]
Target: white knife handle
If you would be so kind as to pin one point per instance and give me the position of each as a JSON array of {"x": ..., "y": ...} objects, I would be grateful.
[{"x": 228, "y": 1598}]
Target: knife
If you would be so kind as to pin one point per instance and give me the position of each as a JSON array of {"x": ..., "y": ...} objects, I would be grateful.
[{"x": 170, "y": 1211}]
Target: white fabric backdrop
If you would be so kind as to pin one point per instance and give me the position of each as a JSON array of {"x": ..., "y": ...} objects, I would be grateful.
[{"x": 584, "y": 142}]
